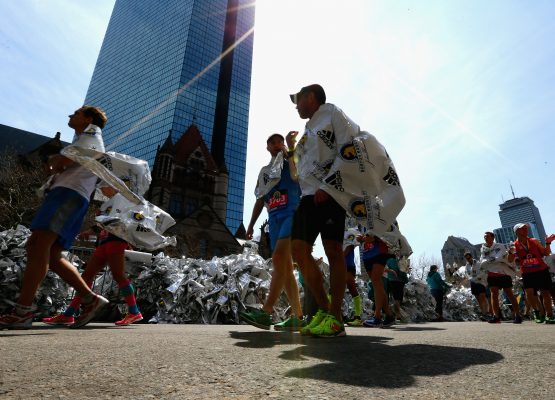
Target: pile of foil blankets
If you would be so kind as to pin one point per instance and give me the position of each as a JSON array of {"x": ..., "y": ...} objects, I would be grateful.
[
  {"x": 171, "y": 290},
  {"x": 53, "y": 292}
]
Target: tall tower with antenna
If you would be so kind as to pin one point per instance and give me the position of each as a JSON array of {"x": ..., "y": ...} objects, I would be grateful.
[{"x": 519, "y": 210}]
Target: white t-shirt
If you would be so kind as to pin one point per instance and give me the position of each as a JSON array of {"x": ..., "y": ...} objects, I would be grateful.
[
  {"x": 476, "y": 273},
  {"x": 495, "y": 259},
  {"x": 76, "y": 177}
]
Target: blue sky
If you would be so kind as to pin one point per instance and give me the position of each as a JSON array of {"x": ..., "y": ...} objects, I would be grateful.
[{"x": 461, "y": 93}]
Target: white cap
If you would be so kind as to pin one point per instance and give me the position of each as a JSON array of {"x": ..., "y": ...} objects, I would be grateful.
[{"x": 518, "y": 226}]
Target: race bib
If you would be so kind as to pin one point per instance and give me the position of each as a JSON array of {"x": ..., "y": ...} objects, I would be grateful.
[
  {"x": 530, "y": 262},
  {"x": 278, "y": 200}
]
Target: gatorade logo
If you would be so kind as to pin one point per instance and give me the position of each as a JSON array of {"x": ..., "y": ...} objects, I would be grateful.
[{"x": 138, "y": 216}]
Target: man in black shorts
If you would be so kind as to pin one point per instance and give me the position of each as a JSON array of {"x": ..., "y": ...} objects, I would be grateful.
[
  {"x": 478, "y": 281},
  {"x": 336, "y": 174},
  {"x": 318, "y": 213},
  {"x": 498, "y": 262}
]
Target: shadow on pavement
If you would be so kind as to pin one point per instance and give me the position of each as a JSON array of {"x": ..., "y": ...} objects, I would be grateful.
[
  {"x": 368, "y": 361},
  {"x": 23, "y": 333},
  {"x": 415, "y": 329},
  {"x": 52, "y": 328}
]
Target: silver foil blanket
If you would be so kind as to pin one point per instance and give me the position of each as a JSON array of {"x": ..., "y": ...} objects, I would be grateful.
[{"x": 213, "y": 291}]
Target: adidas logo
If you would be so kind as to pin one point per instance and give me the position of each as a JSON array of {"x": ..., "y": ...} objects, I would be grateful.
[
  {"x": 392, "y": 178},
  {"x": 328, "y": 137},
  {"x": 336, "y": 181}
]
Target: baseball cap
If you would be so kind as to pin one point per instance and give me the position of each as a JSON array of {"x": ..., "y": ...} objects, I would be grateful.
[
  {"x": 272, "y": 136},
  {"x": 518, "y": 226},
  {"x": 314, "y": 88}
]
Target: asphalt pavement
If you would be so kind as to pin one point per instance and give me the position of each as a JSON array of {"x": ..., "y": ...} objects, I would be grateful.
[{"x": 456, "y": 360}]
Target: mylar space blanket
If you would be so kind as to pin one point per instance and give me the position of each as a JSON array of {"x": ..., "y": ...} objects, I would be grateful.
[
  {"x": 141, "y": 225},
  {"x": 364, "y": 182},
  {"x": 128, "y": 175},
  {"x": 269, "y": 176},
  {"x": 127, "y": 215}
]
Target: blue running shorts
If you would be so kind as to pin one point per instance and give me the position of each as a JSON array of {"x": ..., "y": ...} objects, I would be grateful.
[{"x": 62, "y": 211}]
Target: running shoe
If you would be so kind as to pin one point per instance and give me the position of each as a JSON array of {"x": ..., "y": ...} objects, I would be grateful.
[
  {"x": 129, "y": 319},
  {"x": 59, "y": 319},
  {"x": 494, "y": 320},
  {"x": 328, "y": 328},
  {"x": 517, "y": 320},
  {"x": 388, "y": 322},
  {"x": 314, "y": 322},
  {"x": 355, "y": 322},
  {"x": 538, "y": 318},
  {"x": 373, "y": 322},
  {"x": 549, "y": 320},
  {"x": 88, "y": 311},
  {"x": 14, "y": 321},
  {"x": 260, "y": 319},
  {"x": 292, "y": 324}
]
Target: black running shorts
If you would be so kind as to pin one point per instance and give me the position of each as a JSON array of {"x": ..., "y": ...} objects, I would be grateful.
[{"x": 326, "y": 219}]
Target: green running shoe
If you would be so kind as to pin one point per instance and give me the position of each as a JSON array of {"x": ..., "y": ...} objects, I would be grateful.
[
  {"x": 292, "y": 324},
  {"x": 355, "y": 322},
  {"x": 330, "y": 327},
  {"x": 549, "y": 320},
  {"x": 314, "y": 322},
  {"x": 260, "y": 319},
  {"x": 538, "y": 319}
]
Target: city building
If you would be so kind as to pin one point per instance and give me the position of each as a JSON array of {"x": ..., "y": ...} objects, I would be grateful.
[
  {"x": 25, "y": 143},
  {"x": 169, "y": 64},
  {"x": 453, "y": 252},
  {"x": 519, "y": 210},
  {"x": 187, "y": 182},
  {"x": 507, "y": 235}
]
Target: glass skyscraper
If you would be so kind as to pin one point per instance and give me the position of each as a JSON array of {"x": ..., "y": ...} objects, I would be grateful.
[
  {"x": 164, "y": 65},
  {"x": 521, "y": 210}
]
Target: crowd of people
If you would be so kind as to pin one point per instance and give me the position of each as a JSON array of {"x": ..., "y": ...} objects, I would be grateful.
[
  {"x": 310, "y": 188},
  {"x": 297, "y": 188},
  {"x": 499, "y": 269}
]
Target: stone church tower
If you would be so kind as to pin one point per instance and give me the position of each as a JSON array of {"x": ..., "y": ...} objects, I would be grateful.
[{"x": 187, "y": 183}]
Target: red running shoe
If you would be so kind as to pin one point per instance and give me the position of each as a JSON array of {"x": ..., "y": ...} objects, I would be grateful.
[
  {"x": 129, "y": 319},
  {"x": 14, "y": 321},
  {"x": 59, "y": 319},
  {"x": 89, "y": 310}
]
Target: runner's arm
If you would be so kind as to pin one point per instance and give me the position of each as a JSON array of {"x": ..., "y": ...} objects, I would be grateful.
[{"x": 256, "y": 211}]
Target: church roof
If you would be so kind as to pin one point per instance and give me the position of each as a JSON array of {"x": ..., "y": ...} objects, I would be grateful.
[
  {"x": 168, "y": 146},
  {"x": 190, "y": 141},
  {"x": 22, "y": 141}
]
